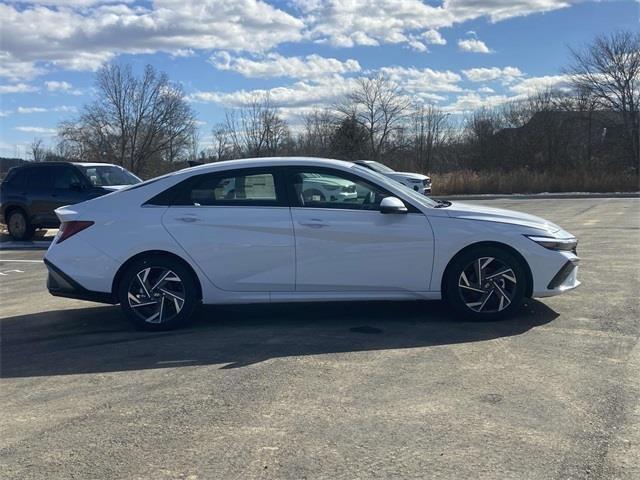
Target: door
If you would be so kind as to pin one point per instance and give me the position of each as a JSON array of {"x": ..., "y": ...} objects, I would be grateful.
[
  {"x": 343, "y": 242},
  {"x": 236, "y": 226},
  {"x": 39, "y": 194},
  {"x": 68, "y": 186}
]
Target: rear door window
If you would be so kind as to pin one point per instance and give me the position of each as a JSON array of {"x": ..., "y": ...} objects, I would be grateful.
[{"x": 40, "y": 178}]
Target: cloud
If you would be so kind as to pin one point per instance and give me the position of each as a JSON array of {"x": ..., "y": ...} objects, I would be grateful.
[
  {"x": 505, "y": 75},
  {"x": 83, "y": 38},
  {"x": 27, "y": 110},
  {"x": 301, "y": 94},
  {"x": 275, "y": 65},
  {"x": 433, "y": 37},
  {"x": 38, "y": 130},
  {"x": 18, "y": 88},
  {"x": 473, "y": 45},
  {"x": 421, "y": 80},
  {"x": 61, "y": 86},
  {"x": 425, "y": 84},
  {"x": 471, "y": 101},
  {"x": 30, "y": 110},
  {"x": 533, "y": 85},
  {"x": 374, "y": 22}
]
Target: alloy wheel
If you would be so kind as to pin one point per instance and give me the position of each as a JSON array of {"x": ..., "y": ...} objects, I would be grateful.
[
  {"x": 156, "y": 294},
  {"x": 487, "y": 285}
]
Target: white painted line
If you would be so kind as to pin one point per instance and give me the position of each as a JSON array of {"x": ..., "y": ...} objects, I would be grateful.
[
  {"x": 7, "y": 272},
  {"x": 20, "y": 261}
]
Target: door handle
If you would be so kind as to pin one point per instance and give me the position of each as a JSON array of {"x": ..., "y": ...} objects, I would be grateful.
[
  {"x": 314, "y": 224},
  {"x": 188, "y": 219}
]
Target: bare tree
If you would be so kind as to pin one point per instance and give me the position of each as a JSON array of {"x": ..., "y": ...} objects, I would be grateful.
[
  {"x": 255, "y": 130},
  {"x": 133, "y": 120},
  {"x": 379, "y": 107},
  {"x": 38, "y": 152},
  {"x": 429, "y": 130},
  {"x": 609, "y": 69},
  {"x": 319, "y": 129}
]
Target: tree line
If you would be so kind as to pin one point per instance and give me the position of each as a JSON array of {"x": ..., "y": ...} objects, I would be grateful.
[{"x": 146, "y": 124}]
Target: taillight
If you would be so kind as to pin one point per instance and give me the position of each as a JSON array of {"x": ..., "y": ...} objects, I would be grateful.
[{"x": 68, "y": 229}]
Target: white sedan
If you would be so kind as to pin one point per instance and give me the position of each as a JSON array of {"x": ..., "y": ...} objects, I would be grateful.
[{"x": 245, "y": 231}]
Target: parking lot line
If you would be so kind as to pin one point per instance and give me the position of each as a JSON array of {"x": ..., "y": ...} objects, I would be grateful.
[{"x": 19, "y": 261}]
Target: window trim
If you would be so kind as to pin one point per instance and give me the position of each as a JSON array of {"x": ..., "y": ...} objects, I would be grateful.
[
  {"x": 293, "y": 170},
  {"x": 171, "y": 195}
]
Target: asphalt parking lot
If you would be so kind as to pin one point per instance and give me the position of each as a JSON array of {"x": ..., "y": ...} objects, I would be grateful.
[{"x": 375, "y": 390}]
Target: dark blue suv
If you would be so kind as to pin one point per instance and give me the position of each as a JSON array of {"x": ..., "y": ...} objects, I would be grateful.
[{"x": 30, "y": 193}]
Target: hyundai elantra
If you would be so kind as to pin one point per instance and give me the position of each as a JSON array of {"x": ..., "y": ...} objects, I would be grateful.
[{"x": 299, "y": 229}]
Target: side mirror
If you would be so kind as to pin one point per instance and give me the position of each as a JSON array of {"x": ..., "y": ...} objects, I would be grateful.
[
  {"x": 392, "y": 205},
  {"x": 76, "y": 187}
]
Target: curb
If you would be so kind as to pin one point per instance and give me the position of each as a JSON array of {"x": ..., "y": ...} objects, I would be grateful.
[
  {"x": 37, "y": 245},
  {"x": 541, "y": 196}
]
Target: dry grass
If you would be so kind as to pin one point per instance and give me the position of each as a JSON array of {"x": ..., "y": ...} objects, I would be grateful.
[{"x": 525, "y": 181}]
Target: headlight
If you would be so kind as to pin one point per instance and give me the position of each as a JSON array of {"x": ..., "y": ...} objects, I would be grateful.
[{"x": 562, "y": 244}]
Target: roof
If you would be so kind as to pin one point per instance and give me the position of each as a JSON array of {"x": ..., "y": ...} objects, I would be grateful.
[
  {"x": 59, "y": 162},
  {"x": 271, "y": 162}
]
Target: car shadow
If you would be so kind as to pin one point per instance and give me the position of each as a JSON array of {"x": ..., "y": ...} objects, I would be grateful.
[{"x": 98, "y": 339}]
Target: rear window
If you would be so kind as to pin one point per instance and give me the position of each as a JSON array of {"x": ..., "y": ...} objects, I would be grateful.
[
  {"x": 108, "y": 175},
  {"x": 17, "y": 178}
]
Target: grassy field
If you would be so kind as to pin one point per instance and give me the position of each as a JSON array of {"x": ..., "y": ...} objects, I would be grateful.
[{"x": 525, "y": 181}]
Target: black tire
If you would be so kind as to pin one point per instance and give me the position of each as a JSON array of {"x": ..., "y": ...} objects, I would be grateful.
[
  {"x": 460, "y": 297},
  {"x": 178, "y": 313},
  {"x": 19, "y": 226}
]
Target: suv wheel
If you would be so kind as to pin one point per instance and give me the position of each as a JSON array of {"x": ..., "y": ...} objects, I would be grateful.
[
  {"x": 19, "y": 226},
  {"x": 485, "y": 283},
  {"x": 158, "y": 293}
]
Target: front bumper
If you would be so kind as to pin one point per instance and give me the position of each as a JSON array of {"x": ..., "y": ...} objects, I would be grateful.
[
  {"x": 60, "y": 284},
  {"x": 564, "y": 280}
]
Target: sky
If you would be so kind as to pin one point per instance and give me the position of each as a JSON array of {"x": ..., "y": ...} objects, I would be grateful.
[{"x": 457, "y": 54}]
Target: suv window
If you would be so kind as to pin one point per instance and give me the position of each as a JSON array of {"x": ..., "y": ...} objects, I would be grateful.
[
  {"x": 40, "y": 177},
  {"x": 17, "y": 178},
  {"x": 231, "y": 188},
  {"x": 64, "y": 177},
  {"x": 333, "y": 189}
]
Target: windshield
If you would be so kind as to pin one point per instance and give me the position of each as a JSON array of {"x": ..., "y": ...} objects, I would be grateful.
[
  {"x": 410, "y": 192},
  {"x": 379, "y": 167},
  {"x": 109, "y": 175}
]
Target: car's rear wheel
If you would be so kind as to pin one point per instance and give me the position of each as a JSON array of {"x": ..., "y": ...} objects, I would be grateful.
[
  {"x": 485, "y": 283},
  {"x": 158, "y": 293},
  {"x": 19, "y": 226}
]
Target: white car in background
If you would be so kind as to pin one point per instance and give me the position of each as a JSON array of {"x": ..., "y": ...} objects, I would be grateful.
[
  {"x": 243, "y": 231},
  {"x": 416, "y": 181}
]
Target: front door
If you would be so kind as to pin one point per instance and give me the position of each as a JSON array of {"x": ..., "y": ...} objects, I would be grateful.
[
  {"x": 237, "y": 227},
  {"x": 343, "y": 242}
]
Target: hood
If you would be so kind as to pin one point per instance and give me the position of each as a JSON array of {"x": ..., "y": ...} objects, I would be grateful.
[
  {"x": 414, "y": 176},
  {"x": 488, "y": 214}
]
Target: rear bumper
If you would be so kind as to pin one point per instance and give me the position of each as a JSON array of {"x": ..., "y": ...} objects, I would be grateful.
[{"x": 60, "y": 284}]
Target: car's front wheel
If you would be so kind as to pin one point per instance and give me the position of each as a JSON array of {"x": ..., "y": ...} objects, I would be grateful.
[
  {"x": 158, "y": 293},
  {"x": 485, "y": 283}
]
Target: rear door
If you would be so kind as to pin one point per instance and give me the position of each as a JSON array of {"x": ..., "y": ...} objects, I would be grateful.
[
  {"x": 237, "y": 227},
  {"x": 40, "y": 195}
]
